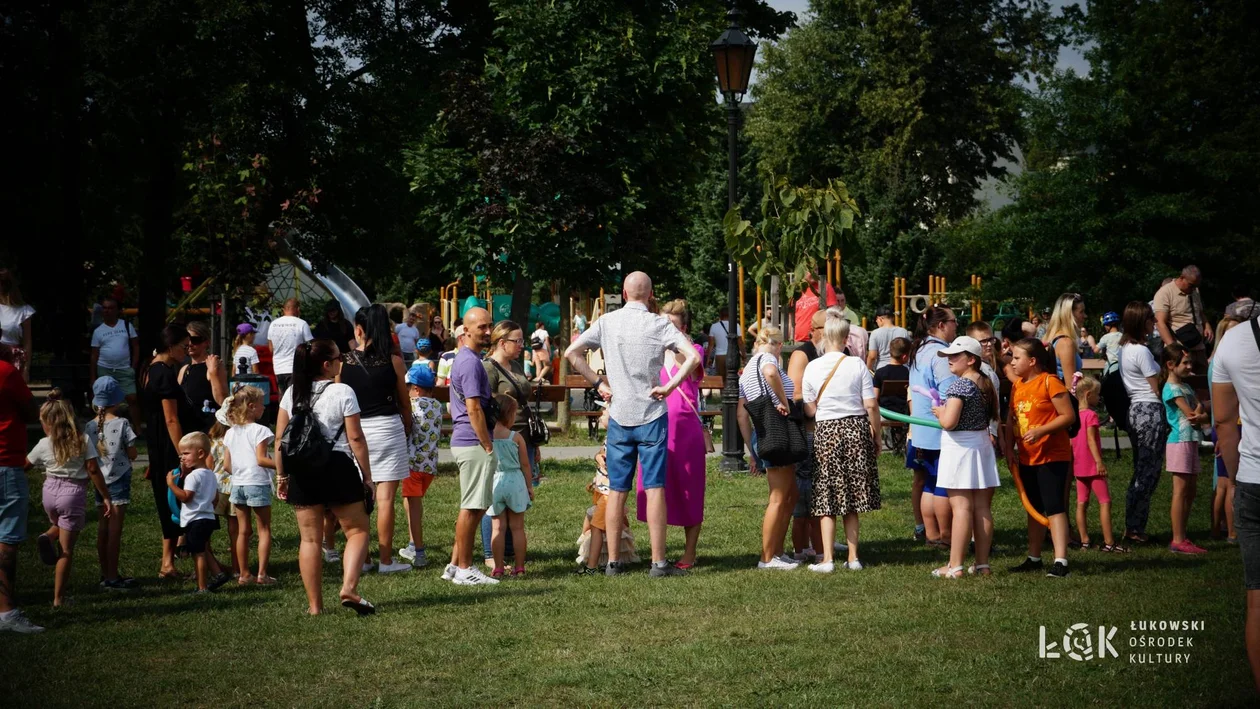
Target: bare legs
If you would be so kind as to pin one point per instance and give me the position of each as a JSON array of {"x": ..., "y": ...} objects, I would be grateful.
[
  {"x": 109, "y": 542},
  {"x": 414, "y": 507},
  {"x": 8, "y": 577},
  {"x": 66, "y": 540},
  {"x": 1183, "y": 493},
  {"x": 354, "y": 522},
  {"x": 516, "y": 522},
  {"x": 1058, "y": 536},
  {"x": 692, "y": 534},
  {"x": 1223, "y": 508},
  {"x": 385, "y": 520},
  {"x": 778, "y": 515},
  {"x": 972, "y": 514},
  {"x": 466, "y": 526}
]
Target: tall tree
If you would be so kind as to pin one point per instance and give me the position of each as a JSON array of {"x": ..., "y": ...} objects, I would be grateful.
[
  {"x": 911, "y": 102},
  {"x": 1141, "y": 167}
]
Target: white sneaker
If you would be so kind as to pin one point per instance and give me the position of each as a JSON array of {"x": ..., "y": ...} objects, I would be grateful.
[
  {"x": 448, "y": 574},
  {"x": 823, "y": 568},
  {"x": 367, "y": 566},
  {"x": 472, "y": 576},
  {"x": 853, "y": 565},
  {"x": 408, "y": 552},
  {"x": 331, "y": 556},
  {"x": 787, "y": 558},
  {"x": 393, "y": 568},
  {"x": 777, "y": 564},
  {"x": 19, "y": 623}
]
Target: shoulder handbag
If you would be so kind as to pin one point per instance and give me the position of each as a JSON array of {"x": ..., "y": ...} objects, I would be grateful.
[
  {"x": 708, "y": 435},
  {"x": 1189, "y": 335},
  {"x": 1074, "y": 427},
  {"x": 536, "y": 432},
  {"x": 780, "y": 439}
]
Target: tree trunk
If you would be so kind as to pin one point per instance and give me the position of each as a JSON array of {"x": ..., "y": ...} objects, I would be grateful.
[
  {"x": 158, "y": 225},
  {"x": 522, "y": 294}
]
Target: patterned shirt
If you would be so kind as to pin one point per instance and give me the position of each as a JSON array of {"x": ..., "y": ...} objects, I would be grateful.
[
  {"x": 634, "y": 342},
  {"x": 426, "y": 428},
  {"x": 974, "y": 417},
  {"x": 1181, "y": 430}
]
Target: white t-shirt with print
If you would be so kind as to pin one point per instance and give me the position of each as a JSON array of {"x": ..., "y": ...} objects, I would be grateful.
[
  {"x": 1136, "y": 364},
  {"x": 285, "y": 334},
  {"x": 119, "y": 436},
  {"x": 242, "y": 443},
  {"x": 11, "y": 319},
  {"x": 114, "y": 344},
  {"x": 202, "y": 485},
  {"x": 847, "y": 391},
  {"x": 1237, "y": 362},
  {"x": 333, "y": 403},
  {"x": 250, "y": 355},
  {"x": 75, "y": 468}
]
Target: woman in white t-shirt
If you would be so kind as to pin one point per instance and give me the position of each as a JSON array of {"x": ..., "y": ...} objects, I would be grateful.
[
  {"x": 243, "y": 349},
  {"x": 1147, "y": 430},
  {"x": 840, "y": 394},
  {"x": 339, "y": 486},
  {"x": 15, "y": 322}
]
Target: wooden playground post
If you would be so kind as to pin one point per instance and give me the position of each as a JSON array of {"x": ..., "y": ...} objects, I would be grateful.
[{"x": 839, "y": 276}]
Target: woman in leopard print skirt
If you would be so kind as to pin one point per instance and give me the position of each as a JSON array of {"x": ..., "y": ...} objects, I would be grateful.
[{"x": 840, "y": 395}]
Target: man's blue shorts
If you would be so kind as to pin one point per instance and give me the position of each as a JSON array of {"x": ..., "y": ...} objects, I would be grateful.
[
  {"x": 14, "y": 503},
  {"x": 644, "y": 445}
]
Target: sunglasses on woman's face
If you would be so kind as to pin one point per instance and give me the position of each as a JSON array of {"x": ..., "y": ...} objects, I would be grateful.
[{"x": 194, "y": 340}]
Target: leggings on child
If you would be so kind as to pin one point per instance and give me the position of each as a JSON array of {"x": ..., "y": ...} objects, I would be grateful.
[{"x": 1147, "y": 435}]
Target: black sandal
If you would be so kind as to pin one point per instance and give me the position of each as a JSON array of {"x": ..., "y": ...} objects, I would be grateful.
[
  {"x": 361, "y": 606},
  {"x": 1113, "y": 549}
]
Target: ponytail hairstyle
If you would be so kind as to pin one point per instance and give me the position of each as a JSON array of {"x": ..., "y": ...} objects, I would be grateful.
[
  {"x": 245, "y": 339},
  {"x": 928, "y": 321},
  {"x": 769, "y": 336},
  {"x": 58, "y": 418},
  {"x": 168, "y": 339},
  {"x": 1038, "y": 352},
  {"x": 376, "y": 330},
  {"x": 507, "y": 409},
  {"x": 1084, "y": 387},
  {"x": 1172, "y": 357},
  {"x": 241, "y": 399},
  {"x": 308, "y": 365},
  {"x": 102, "y": 450},
  {"x": 987, "y": 392}
]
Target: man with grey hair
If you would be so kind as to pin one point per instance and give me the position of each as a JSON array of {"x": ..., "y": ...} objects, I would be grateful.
[
  {"x": 634, "y": 342},
  {"x": 1179, "y": 316}
]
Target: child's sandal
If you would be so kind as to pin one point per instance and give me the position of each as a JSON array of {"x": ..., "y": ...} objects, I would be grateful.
[
  {"x": 948, "y": 572},
  {"x": 1086, "y": 546},
  {"x": 497, "y": 573},
  {"x": 1113, "y": 549},
  {"x": 518, "y": 571},
  {"x": 979, "y": 570}
]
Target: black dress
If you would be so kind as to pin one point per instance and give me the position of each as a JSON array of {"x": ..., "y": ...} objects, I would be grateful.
[
  {"x": 162, "y": 384},
  {"x": 200, "y": 395}
]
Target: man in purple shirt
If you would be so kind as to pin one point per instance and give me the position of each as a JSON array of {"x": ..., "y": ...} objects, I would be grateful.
[{"x": 471, "y": 446}]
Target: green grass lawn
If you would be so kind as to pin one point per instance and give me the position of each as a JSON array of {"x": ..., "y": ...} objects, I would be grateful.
[{"x": 889, "y": 635}]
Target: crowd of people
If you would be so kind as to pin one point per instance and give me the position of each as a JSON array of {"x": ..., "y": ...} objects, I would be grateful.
[{"x": 358, "y": 425}]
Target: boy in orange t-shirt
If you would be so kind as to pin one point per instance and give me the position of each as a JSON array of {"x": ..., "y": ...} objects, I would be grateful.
[{"x": 1040, "y": 415}]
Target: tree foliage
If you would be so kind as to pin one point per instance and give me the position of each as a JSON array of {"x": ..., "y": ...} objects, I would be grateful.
[
  {"x": 1141, "y": 167},
  {"x": 912, "y": 103}
]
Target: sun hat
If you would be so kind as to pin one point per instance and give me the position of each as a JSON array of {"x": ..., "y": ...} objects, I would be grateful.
[
  {"x": 970, "y": 345},
  {"x": 421, "y": 375},
  {"x": 106, "y": 392}
]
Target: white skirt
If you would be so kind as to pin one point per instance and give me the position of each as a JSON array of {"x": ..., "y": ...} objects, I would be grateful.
[
  {"x": 967, "y": 462},
  {"x": 387, "y": 448}
]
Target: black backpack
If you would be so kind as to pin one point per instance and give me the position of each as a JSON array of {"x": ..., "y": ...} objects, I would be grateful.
[
  {"x": 1115, "y": 398},
  {"x": 304, "y": 448}
]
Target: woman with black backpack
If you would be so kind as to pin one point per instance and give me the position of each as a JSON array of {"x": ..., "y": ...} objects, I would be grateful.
[
  {"x": 1147, "y": 431},
  {"x": 315, "y": 470}
]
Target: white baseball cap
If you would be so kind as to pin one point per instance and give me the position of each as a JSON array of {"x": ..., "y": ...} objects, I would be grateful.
[{"x": 970, "y": 345}]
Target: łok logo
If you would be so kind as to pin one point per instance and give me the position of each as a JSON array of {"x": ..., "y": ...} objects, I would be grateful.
[{"x": 1079, "y": 644}]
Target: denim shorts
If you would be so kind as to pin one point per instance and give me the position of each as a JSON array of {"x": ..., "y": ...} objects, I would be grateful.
[
  {"x": 1247, "y": 524},
  {"x": 14, "y": 501},
  {"x": 644, "y": 445},
  {"x": 119, "y": 491},
  {"x": 251, "y": 495}
]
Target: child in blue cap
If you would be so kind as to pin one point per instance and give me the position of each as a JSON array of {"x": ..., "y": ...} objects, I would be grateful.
[
  {"x": 426, "y": 429},
  {"x": 115, "y": 443}
]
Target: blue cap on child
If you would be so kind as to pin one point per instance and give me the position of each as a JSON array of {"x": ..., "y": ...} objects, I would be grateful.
[
  {"x": 421, "y": 375},
  {"x": 106, "y": 392}
]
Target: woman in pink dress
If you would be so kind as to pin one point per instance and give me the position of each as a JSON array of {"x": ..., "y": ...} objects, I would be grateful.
[{"x": 684, "y": 474}]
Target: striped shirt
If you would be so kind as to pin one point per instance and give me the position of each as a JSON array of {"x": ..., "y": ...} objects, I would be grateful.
[
  {"x": 634, "y": 343},
  {"x": 750, "y": 382}
]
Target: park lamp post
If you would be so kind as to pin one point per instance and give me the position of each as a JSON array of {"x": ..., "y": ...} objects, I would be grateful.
[{"x": 734, "y": 53}]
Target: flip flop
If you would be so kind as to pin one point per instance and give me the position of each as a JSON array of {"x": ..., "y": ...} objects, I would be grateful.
[
  {"x": 361, "y": 606},
  {"x": 683, "y": 566},
  {"x": 172, "y": 575},
  {"x": 265, "y": 580}
]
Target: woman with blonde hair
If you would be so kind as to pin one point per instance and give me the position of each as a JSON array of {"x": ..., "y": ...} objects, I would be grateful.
[
  {"x": 764, "y": 376},
  {"x": 1063, "y": 336},
  {"x": 839, "y": 393},
  {"x": 684, "y": 471}
]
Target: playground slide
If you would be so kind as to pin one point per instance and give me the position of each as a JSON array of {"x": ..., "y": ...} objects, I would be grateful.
[{"x": 342, "y": 288}]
